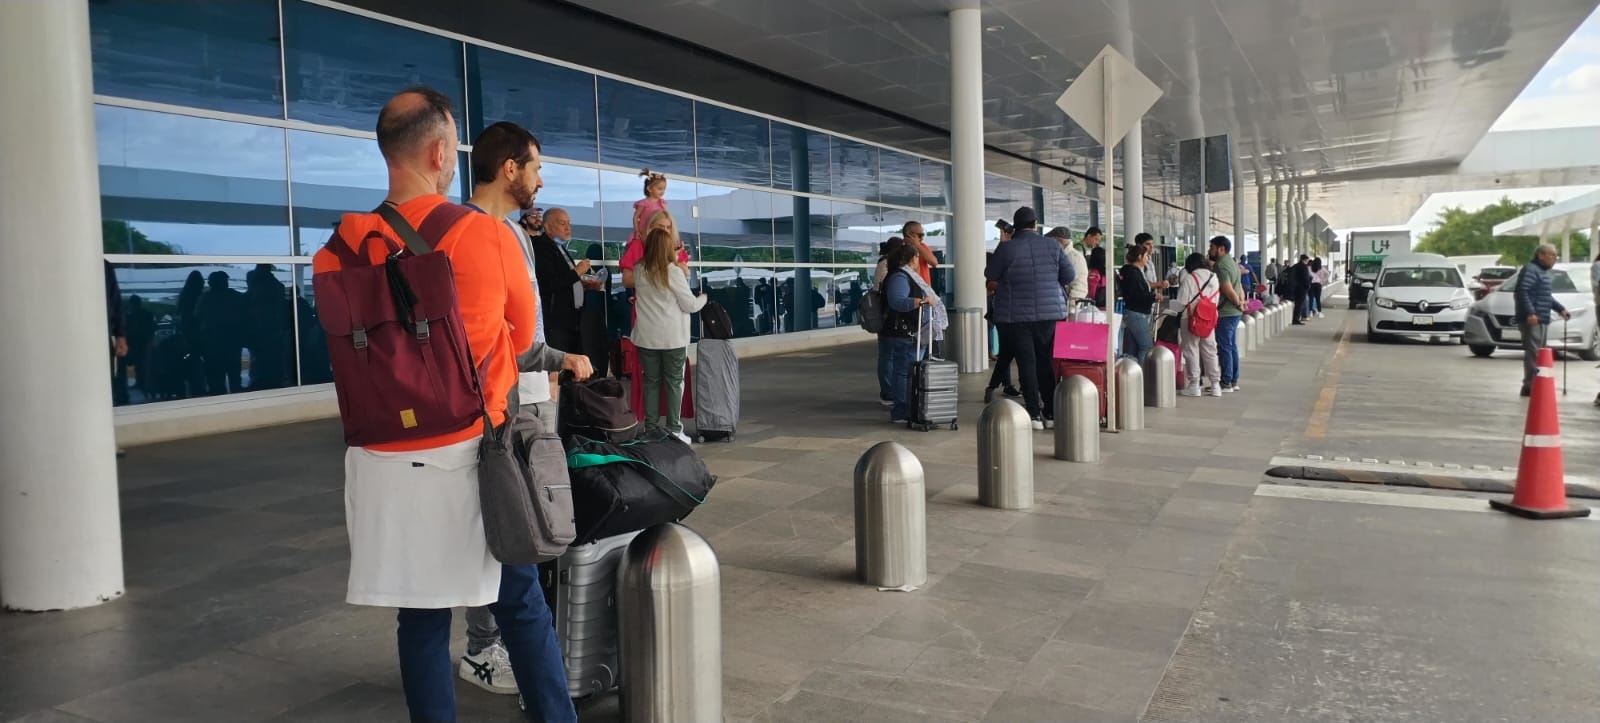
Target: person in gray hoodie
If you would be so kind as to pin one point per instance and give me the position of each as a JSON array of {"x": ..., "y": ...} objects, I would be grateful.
[{"x": 1027, "y": 274}]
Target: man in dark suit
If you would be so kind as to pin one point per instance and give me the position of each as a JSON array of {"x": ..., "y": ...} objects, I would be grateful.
[{"x": 561, "y": 282}]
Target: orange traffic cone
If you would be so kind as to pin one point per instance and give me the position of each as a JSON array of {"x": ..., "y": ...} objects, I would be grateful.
[{"x": 1541, "y": 492}]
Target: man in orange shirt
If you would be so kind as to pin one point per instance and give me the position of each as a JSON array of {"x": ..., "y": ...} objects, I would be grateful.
[
  {"x": 412, "y": 508},
  {"x": 913, "y": 234}
]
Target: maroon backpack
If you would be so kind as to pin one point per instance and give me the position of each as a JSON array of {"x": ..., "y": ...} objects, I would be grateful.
[{"x": 401, "y": 366}]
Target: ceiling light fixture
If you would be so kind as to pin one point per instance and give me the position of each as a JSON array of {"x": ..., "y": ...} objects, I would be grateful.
[
  {"x": 995, "y": 28},
  {"x": 1040, "y": 56}
]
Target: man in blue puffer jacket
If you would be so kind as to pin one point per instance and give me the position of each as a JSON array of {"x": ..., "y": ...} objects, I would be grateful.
[
  {"x": 1534, "y": 304},
  {"x": 1027, "y": 274}
]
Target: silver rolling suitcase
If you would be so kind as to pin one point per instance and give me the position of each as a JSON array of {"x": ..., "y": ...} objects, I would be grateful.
[
  {"x": 581, "y": 587},
  {"x": 933, "y": 395}
]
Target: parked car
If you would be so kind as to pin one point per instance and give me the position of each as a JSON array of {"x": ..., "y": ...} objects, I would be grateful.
[
  {"x": 1489, "y": 278},
  {"x": 1417, "y": 295},
  {"x": 1492, "y": 324}
]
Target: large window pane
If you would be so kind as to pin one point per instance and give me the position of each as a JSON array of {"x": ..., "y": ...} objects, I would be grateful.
[
  {"x": 221, "y": 56},
  {"x": 735, "y": 224},
  {"x": 800, "y": 160},
  {"x": 334, "y": 175},
  {"x": 178, "y": 185},
  {"x": 902, "y": 178},
  {"x": 642, "y": 128},
  {"x": 855, "y": 170},
  {"x": 576, "y": 191},
  {"x": 935, "y": 185},
  {"x": 343, "y": 67},
  {"x": 858, "y": 232},
  {"x": 620, "y": 191},
  {"x": 204, "y": 330},
  {"x": 803, "y": 228},
  {"x": 556, "y": 103},
  {"x": 732, "y": 146}
]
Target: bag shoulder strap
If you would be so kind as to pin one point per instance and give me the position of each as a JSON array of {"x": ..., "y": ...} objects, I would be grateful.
[
  {"x": 420, "y": 240},
  {"x": 1200, "y": 288}
]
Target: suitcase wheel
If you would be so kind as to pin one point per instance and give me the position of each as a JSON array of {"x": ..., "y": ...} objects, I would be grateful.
[{"x": 954, "y": 425}]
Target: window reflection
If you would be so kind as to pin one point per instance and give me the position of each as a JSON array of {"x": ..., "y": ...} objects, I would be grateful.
[
  {"x": 620, "y": 191},
  {"x": 342, "y": 68},
  {"x": 555, "y": 103},
  {"x": 641, "y": 127},
  {"x": 854, "y": 170},
  {"x": 732, "y": 146},
  {"x": 576, "y": 191},
  {"x": 204, "y": 330},
  {"x": 935, "y": 185},
  {"x": 178, "y": 185},
  {"x": 749, "y": 293},
  {"x": 858, "y": 231},
  {"x": 735, "y": 224},
  {"x": 801, "y": 160},
  {"x": 902, "y": 178},
  {"x": 221, "y": 56}
]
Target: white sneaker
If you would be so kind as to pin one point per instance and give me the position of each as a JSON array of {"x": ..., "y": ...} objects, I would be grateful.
[
  {"x": 684, "y": 437},
  {"x": 1193, "y": 390},
  {"x": 1038, "y": 425},
  {"x": 1230, "y": 390},
  {"x": 1215, "y": 391},
  {"x": 490, "y": 670}
]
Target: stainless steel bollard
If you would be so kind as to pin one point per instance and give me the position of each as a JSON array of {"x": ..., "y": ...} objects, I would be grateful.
[
  {"x": 1005, "y": 456},
  {"x": 1247, "y": 335},
  {"x": 1130, "y": 394},
  {"x": 1077, "y": 420},
  {"x": 891, "y": 518},
  {"x": 669, "y": 618},
  {"x": 1259, "y": 329},
  {"x": 1160, "y": 378}
]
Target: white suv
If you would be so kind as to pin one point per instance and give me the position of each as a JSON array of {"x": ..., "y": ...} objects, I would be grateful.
[{"x": 1418, "y": 295}]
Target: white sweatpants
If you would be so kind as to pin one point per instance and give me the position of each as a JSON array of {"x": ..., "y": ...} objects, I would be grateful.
[{"x": 1199, "y": 356}]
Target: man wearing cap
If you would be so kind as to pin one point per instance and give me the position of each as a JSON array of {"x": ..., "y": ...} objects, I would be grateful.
[
  {"x": 1078, "y": 290},
  {"x": 1027, "y": 275}
]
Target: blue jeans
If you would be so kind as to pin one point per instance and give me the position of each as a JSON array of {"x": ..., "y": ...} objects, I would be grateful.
[
  {"x": 526, "y": 627},
  {"x": 885, "y": 380},
  {"x": 1136, "y": 338},
  {"x": 1228, "y": 348},
  {"x": 901, "y": 353}
]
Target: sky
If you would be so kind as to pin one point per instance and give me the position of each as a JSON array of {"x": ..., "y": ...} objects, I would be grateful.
[{"x": 1564, "y": 94}]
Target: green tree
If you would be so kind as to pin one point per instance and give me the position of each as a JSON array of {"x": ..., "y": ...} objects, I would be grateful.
[
  {"x": 1468, "y": 233},
  {"x": 120, "y": 237}
]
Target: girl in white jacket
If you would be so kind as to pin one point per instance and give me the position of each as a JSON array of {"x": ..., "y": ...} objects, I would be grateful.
[{"x": 663, "y": 302}]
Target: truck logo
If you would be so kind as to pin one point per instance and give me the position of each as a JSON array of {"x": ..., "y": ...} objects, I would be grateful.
[{"x": 1380, "y": 246}]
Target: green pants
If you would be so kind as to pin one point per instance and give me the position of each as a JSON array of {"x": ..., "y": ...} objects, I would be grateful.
[{"x": 664, "y": 367}]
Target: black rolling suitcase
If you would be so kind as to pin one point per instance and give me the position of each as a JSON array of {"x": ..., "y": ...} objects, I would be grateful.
[{"x": 933, "y": 395}]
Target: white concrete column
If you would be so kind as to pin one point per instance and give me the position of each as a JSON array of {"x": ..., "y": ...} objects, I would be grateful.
[
  {"x": 1133, "y": 181},
  {"x": 1261, "y": 222},
  {"x": 60, "y": 535},
  {"x": 1238, "y": 209},
  {"x": 1202, "y": 221},
  {"x": 1280, "y": 245},
  {"x": 970, "y": 334}
]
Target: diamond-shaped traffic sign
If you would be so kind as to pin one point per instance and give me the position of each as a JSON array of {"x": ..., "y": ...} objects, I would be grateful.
[{"x": 1129, "y": 94}]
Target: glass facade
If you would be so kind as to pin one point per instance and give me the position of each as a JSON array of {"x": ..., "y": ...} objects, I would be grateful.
[{"x": 231, "y": 139}]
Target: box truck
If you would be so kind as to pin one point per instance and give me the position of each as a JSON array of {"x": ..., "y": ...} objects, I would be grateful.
[{"x": 1364, "y": 252}]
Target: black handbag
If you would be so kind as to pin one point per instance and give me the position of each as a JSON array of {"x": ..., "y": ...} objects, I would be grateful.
[{"x": 595, "y": 409}]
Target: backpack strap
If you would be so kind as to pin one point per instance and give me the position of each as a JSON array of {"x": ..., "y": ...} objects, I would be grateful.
[{"x": 438, "y": 222}]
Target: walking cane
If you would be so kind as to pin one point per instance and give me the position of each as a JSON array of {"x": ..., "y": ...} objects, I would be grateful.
[{"x": 1565, "y": 357}]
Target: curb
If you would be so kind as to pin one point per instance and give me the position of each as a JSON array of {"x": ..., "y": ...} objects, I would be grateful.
[{"x": 1414, "y": 479}]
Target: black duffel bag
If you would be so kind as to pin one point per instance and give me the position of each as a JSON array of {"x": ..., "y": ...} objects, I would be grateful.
[{"x": 621, "y": 487}]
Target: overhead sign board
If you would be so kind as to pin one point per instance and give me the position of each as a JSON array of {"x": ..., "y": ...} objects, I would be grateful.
[
  {"x": 1214, "y": 173},
  {"x": 1129, "y": 94}
]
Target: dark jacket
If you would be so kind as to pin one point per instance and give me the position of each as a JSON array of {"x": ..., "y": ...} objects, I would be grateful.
[
  {"x": 113, "y": 303},
  {"x": 1137, "y": 295},
  {"x": 1534, "y": 296},
  {"x": 1031, "y": 270},
  {"x": 557, "y": 277},
  {"x": 900, "y": 294}
]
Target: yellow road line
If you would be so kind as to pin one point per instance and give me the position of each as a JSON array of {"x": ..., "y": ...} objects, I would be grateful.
[{"x": 1317, "y": 423}]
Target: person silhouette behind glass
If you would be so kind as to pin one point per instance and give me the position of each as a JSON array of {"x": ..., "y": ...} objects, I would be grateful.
[{"x": 219, "y": 318}]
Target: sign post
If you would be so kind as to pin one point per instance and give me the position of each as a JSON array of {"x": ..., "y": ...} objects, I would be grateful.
[{"x": 1106, "y": 101}]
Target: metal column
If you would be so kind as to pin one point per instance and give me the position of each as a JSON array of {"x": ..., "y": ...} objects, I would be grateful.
[
  {"x": 60, "y": 532},
  {"x": 669, "y": 627},
  {"x": 1005, "y": 456},
  {"x": 970, "y": 335}
]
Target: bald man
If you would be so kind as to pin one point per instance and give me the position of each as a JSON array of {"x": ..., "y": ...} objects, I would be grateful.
[
  {"x": 412, "y": 509},
  {"x": 561, "y": 282}
]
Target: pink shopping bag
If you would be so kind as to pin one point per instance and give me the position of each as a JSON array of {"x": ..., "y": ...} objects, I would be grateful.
[{"x": 1080, "y": 341}]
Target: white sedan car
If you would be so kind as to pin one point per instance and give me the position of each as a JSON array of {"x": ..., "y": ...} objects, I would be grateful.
[{"x": 1492, "y": 323}]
